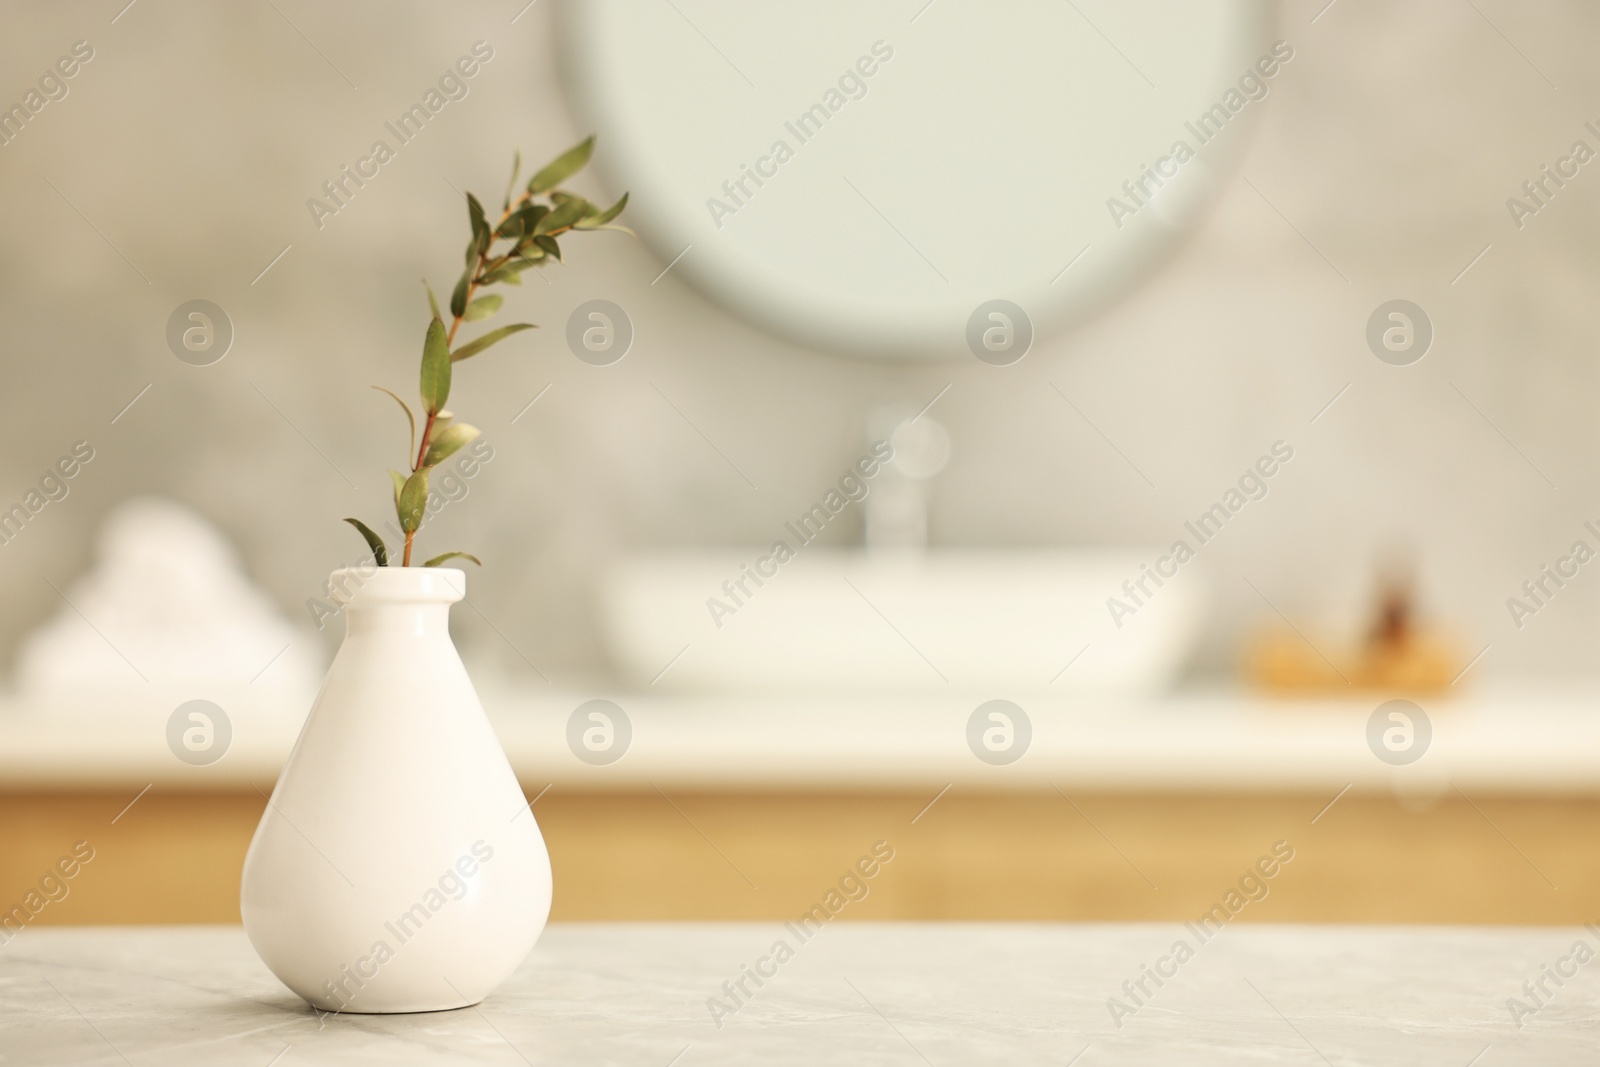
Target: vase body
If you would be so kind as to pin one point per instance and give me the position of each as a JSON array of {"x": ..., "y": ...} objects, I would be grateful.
[{"x": 396, "y": 867}]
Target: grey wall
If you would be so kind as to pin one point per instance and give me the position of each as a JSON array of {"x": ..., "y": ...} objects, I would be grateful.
[{"x": 194, "y": 137}]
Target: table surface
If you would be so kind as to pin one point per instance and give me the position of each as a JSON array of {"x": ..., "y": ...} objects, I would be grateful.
[{"x": 856, "y": 992}]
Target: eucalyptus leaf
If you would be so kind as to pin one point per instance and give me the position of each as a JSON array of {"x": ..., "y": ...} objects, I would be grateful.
[
  {"x": 472, "y": 348},
  {"x": 516, "y": 169},
  {"x": 598, "y": 222},
  {"x": 530, "y": 214},
  {"x": 562, "y": 199},
  {"x": 410, "y": 418},
  {"x": 483, "y": 307},
  {"x": 436, "y": 560},
  {"x": 458, "y": 298},
  {"x": 561, "y": 217},
  {"x": 480, "y": 230},
  {"x": 549, "y": 245},
  {"x": 374, "y": 542},
  {"x": 503, "y": 274},
  {"x": 562, "y": 167},
  {"x": 433, "y": 301},
  {"x": 413, "y": 500},
  {"x": 512, "y": 228},
  {"x": 525, "y": 255},
  {"x": 449, "y": 442},
  {"x": 435, "y": 368},
  {"x": 399, "y": 484}
]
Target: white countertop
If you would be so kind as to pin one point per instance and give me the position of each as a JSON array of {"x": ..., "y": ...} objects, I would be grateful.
[
  {"x": 855, "y": 993},
  {"x": 1541, "y": 743}
]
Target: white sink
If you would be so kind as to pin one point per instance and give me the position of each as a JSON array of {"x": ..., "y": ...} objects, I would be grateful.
[{"x": 845, "y": 621}]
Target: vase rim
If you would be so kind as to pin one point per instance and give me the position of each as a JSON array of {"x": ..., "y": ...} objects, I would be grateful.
[{"x": 370, "y": 584}]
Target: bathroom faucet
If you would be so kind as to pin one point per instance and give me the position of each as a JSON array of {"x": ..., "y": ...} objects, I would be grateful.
[{"x": 897, "y": 508}]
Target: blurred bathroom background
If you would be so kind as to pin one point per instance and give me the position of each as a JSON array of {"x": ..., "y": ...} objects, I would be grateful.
[{"x": 179, "y": 165}]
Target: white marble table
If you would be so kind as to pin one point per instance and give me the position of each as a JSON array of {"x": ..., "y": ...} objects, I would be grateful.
[{"x": 855, "y": 993}]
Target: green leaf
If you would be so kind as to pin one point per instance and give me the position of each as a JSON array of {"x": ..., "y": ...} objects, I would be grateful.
[
  {"x": 412, "y": 419},
  {"x": 480, "y": 230},
  {"x": 446, "y": 444},
  {"x": 549, "y": 245},
  {"x": 458, "y": 298},
  {"x": 472, "y": 348},
  {"x": 399, "y": 484},
  {"x": 525, "y": 255},
  {"x": 511, "y": 229},
  {"x": 561, "y": 199},
  {"x": 436, "y": 560},
  {"x": 435, "y": 368},
  {"x": 483, "y": 307},
  {"x": 503, "y": 274},
  {"x": 532, "y": 214},
  {"x": 516, "y": 169},
  {"x": 433, "y": 301},
  {"x": 562, "y": 167},
  {"x": 520, "y": 259},
  {"x": 413, "y": 501},
  {"x": 522, "y": 223},
  {"x": 597, "y": 222},
  {"x": 561, "y": 217},
  {"x": 374, "y": 542}
]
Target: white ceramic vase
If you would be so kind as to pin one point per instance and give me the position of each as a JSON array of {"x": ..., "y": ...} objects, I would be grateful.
[{"x": 396, "y": 868}]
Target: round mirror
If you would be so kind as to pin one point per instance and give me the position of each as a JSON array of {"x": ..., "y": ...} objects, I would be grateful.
[{"x": 922, "y": 179}]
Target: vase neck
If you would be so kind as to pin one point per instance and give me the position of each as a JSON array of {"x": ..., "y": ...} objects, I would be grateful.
[
  {"x": 398, "y": 601},
  {"x": 398, "y": 620}
]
